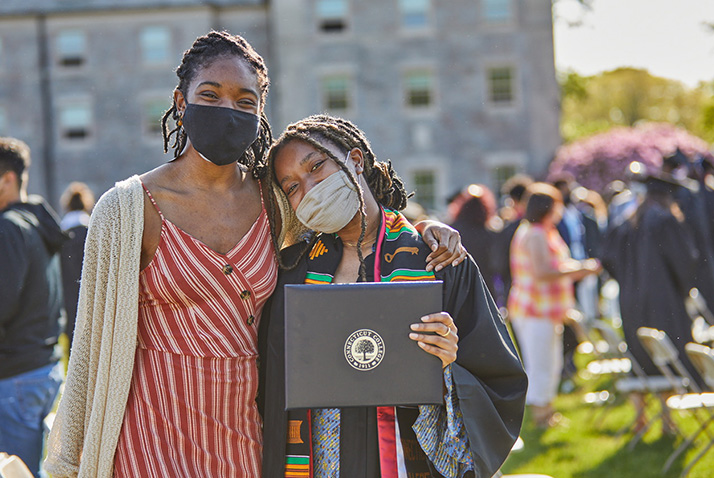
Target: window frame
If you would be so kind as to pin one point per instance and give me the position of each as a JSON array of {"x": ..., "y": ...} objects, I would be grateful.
[
  {"x": 498, "y": 21},
  {"x": 74, "y": 60},
  {"x": 145, "y": 49},
  {"x": 62, "y": 128},
  {"x": 321, "y": 21},
  {"x": 349, "y": 91},
  {"x": 428, "y": 17}
]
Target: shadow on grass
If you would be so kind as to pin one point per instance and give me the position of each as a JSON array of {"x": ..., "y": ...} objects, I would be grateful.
[{"x": 646, "y": 460}]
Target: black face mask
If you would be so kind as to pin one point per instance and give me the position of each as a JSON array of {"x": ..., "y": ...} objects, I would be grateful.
[{"x": 221, "y": 135}]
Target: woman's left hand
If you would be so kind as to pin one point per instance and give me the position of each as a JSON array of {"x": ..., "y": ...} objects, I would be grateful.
[
  {"x": 444, "y": 344},
  {"x": 445, "y": 245}
]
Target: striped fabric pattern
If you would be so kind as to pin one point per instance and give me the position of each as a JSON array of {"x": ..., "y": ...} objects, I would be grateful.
[
  {"x": 191, "y": 409},
  {"x": 533, "y": 298},
  {"x": 297, "y": 466}
]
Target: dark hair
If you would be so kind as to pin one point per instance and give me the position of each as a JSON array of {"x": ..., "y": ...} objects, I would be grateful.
[
  {"x": 515, "y": 186},
  {"x": 476, "y": 205},
  {"x": 77, "y": 197},
  {"x": 540, "y": 199},
  {"x": 15, "y": 157},
  {"x": 384, "y": 183},
  {"x": 204, "y": 50}
]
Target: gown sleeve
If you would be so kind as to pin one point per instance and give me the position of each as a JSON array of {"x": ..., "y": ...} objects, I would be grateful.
[{"x": 489, "y": 380}]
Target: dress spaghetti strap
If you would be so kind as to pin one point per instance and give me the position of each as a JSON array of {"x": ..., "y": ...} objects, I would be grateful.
[{"x": 151, "y": 198}]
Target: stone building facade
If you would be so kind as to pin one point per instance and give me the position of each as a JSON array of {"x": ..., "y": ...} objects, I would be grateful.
[{"x": 452, "y": 91}]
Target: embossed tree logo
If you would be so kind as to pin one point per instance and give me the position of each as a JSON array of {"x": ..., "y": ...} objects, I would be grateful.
[{"x": 364, "y": 347}]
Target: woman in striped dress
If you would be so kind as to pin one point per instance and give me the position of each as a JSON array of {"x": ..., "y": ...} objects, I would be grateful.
[{"x": 178, "y": 265}]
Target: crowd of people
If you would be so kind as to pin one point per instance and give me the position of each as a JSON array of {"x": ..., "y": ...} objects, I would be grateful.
[
  {"x": 553, "y": 245},
  {"x": 170, "y": 290}
]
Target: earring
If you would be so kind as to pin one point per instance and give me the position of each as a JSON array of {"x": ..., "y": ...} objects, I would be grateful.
[{"x": 179, "y": 122}]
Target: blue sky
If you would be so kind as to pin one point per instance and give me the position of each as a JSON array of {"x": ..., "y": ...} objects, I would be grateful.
[{"x": 664, "y": 36}]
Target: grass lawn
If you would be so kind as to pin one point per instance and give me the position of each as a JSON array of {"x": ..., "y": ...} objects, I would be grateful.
[{"x": 590, "y": 444}]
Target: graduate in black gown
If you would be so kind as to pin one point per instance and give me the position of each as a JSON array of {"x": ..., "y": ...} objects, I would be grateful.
[
  {"x": 653, "y": 258},
  {"x": 473, "y": 432}
]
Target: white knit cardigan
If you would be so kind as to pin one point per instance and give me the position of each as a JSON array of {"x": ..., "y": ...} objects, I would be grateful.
[{"x": 90, "y": 415}]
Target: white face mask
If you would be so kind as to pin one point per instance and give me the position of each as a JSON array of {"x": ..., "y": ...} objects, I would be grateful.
[{"x": 331, "y": 205}]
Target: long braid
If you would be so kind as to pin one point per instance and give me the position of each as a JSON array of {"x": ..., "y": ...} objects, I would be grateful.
[
  {"x": 204, "y": 50},
  {"x": 381, "y": 178}
]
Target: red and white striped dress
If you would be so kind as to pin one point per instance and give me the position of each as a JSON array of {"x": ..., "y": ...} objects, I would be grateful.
[{"x": 191, "y": 410}]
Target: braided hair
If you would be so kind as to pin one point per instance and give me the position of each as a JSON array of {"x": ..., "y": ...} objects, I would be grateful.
[
  {"x": 384, "y": 183},
  {"x": 205, "y": 50}
]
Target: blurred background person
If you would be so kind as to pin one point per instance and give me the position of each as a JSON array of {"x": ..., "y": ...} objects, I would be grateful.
[
  {"x": 474, "y": 213},
  {"x": 653, "y": 258},
  {"x": 691, "y": 200},
  {"x": 30, "y": 308},
  {"x": 543, "y": 273},
  {"x": 515, "y": 208},
  {"x": 77, "y": 201},
  {"x": 581, "y": 232}
]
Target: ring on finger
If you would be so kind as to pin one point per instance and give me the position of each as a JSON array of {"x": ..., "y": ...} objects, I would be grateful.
[{"x": 448, "y": 331}]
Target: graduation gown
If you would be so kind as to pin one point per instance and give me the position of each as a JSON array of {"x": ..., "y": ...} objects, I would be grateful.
[
  {"x": 488, "y": 376},
  {"x": 654, "y": 261}
]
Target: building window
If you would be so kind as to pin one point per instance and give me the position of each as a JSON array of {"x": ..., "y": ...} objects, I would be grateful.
[
  {"x": 425, "y": 188},
  {"x": 155, "y": 42},
  {"x": 497, "y": 11},
  {"x": 336, "y": 93},
  {"x": 71, "y": 48},
  {"x": 500, "y": 174},
  {"x": 419, "y": 86},
  {"x": 153, "y": 112},
  {"x": 500, "y": 85},
  {"x": 332, "y": 15},
  {"x": 415, "y": 13},
  {"x": 75, "y": 120}
]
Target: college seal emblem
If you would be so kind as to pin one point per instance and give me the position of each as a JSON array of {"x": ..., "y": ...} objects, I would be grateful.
[{"x": 364, "y": 349}]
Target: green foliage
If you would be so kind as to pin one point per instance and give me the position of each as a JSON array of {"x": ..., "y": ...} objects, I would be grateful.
[{"x": 630, "y": 96}]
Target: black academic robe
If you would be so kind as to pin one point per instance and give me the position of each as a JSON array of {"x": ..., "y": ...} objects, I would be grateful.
[
  {"x": 488, "y": 376},
  {"x": 654, "y": 262},
  {"x": 480, "y": 243}
]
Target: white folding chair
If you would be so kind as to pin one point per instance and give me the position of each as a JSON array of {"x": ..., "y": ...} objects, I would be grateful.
[
  {"x": 689, "y": 396},
  {"x": 702, "y": 317},
  {"x": 702, "y": 357},
  {"x": 635, "y": 381}
]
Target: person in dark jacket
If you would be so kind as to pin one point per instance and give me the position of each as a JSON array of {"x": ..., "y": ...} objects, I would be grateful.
[
  {"x": 78, "y": 201},
  {"x": 328, "y": 173},
  {"x": 30, "y": 308}
]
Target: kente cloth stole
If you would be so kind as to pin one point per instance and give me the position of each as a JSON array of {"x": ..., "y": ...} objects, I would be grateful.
[{"x": 399, "y": 255}]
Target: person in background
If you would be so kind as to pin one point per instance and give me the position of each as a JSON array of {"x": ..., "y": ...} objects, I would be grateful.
[
  {"x": 541, "y": 295},
  {"x": 514, "y": 189},
  {"x": 30, "y": 308},
  {"x": 328, "y": 173},
  {"x": 582, "y": 235},
  {"x": 77, "y": 200},
  {"x": 653, "y": 258},
  {"x": 474, "y": 213}
]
